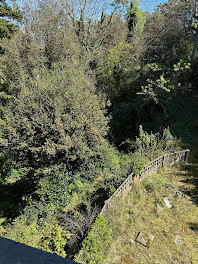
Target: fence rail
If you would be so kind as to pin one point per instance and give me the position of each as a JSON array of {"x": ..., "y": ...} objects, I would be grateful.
[{"x": 151, "y": 167}]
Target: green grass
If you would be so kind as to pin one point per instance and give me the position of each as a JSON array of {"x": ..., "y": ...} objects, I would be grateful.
[{"x": 138, "y": 211}]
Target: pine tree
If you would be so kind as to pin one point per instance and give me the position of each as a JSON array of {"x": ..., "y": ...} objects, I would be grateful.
[
  {"x": 8, "y": 15},
  {"x": 132, "y": 18}
]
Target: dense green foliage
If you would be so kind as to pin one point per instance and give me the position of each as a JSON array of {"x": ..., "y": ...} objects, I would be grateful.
[
  {"x": 56, "y": 118},
  {"x": 49, "y": 237},
  {"x": 8, "y": 18},
  {"x": 87, "y": 95},
  {"x": 7, "y": 15},
  {"x": 96, "y": 243}
]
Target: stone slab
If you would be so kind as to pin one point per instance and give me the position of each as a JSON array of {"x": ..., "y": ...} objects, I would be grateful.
[
  {"x": 167, "y": 203},
  {"x": 178, "y": 241},
  {"x": 145, "y": 238}
]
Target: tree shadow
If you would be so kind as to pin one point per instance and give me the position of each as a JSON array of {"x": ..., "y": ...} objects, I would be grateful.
[
  {"x": 190, "y": 181},
  {"x": 193, "y": 226},
  {"x": 12, "y": 196}
]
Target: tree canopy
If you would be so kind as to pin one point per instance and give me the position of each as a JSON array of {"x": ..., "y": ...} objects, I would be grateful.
[{"x": 8, "y": 16}]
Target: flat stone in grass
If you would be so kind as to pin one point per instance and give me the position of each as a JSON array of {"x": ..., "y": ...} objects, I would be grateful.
[
  {"x": 180, "y": 184},
  {"x": 178, "y": 241},
  {"x": 145, "y": 238},
  {"x": 167, "y": 203}
]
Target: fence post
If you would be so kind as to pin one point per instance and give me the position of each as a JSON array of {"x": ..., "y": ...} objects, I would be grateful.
[
  {"x": 163, "y": 161},
  {"x": 187, "y": 152},
  {"x": 136, "y": 178}
]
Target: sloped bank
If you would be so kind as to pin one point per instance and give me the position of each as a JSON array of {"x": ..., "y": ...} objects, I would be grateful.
[{"x": 95, "y": 245}]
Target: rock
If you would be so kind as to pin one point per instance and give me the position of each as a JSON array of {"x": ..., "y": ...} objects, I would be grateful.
[
  {"x": 167, "y": 203},
  {"x": 145, "y": 239},
  {"x": 179, "y": 241},
  {"x": 180, "y": 184}
]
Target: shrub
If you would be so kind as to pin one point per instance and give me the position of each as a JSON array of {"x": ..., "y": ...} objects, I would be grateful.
[
  {"x": 96, "y": 244},
  {"x": 138, "y": 162},
  {"x": 154, "y": 144},
  {"x": 56, "y": 117},
  {"x": 50, "y": 236},
  {"x": 54, "y": 186},
  {"x": 2, "y": 229},
  {"x": 147, "y": 147}
]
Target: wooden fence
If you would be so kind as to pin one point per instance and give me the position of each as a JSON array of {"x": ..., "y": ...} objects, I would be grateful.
[{"x": 153, "y": 166}]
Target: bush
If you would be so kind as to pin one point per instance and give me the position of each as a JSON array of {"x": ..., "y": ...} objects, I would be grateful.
[
  {"x": 60, "y": 187},
  {"x": 148, "y": 147},
  {"x": 96, "y": 244},
  {"x": 153, "y": 145},
  {"x": 54, "y": 186},
  {"x": 138, "y": 162},
  {"x": 50, "y": 236},
  {"x": 57, "y": 117}
]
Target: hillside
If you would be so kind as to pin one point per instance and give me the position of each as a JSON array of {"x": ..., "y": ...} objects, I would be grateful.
[
  {"x": 90, "y": 93},
  {"x": 144, "y": 209},
  {"x": 174, "y": 230}
]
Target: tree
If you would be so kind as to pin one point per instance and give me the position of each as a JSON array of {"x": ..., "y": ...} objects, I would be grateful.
[
  {"x": 131, "y": 17},
  {"x": 162, "y": 43},
  {"x": 7, "y": 29},
  {"x": 7, "y": 17},
  {"x": 118, "y": 71},
  {"x": 56, "y": 118},
  {"x": 195, "y": 44},
  {"x": 136, "y": 19},
  {"x": 8, "y": 14}
]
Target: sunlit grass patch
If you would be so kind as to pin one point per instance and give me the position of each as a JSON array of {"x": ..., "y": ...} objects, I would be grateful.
[{"x": 175, "y": 229}]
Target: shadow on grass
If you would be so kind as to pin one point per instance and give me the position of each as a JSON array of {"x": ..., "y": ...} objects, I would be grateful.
[
  {"x": 12, "y": 195},
  {"x": 193, "y": 226},
  {"x": 190, "y": 181}
]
